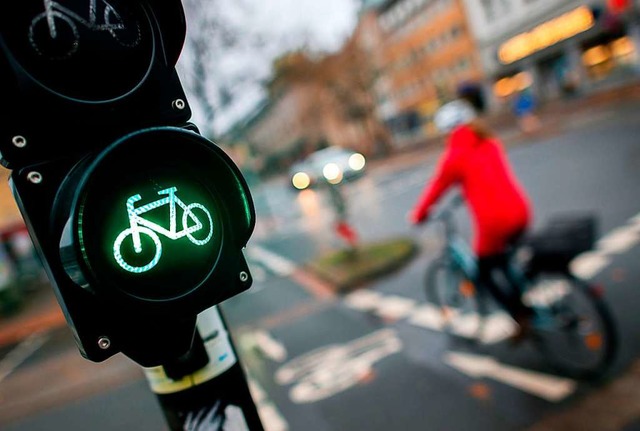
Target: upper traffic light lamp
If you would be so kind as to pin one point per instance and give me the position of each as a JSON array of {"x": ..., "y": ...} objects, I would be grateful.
[
  {"x": 80, "y": 72},
  {"x": 140, "y": 221}
]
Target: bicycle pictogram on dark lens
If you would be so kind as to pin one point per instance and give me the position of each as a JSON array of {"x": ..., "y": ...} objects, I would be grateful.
[
  {"x": 194, "y": 227},
  {"x": 55, "y": 33}
]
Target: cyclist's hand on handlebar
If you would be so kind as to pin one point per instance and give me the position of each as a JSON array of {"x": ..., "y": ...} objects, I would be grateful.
[{"x": 417, "y": 217}]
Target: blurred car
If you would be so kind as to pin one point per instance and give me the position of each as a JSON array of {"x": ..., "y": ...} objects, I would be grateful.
[{"x": 332, "y": 164}]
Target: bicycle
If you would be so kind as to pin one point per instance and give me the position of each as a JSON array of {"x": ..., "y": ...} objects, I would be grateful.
[
  {"x": 572, "y": 325},
  {"x": 140, "y": 225},
  {"x": 61, "y": 28}
]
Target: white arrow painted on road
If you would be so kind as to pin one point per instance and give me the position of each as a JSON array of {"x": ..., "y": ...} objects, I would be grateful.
[{"x": 550, "y": 388}]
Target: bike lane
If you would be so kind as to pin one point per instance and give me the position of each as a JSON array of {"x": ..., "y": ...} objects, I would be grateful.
[{"x": 517, "y": 389}]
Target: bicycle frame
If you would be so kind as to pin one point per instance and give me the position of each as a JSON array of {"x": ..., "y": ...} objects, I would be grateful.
[
  {"x": 456, "y": 248},
  {"x": 51, "y": 7},
  {"x": 172, "y": 200}
]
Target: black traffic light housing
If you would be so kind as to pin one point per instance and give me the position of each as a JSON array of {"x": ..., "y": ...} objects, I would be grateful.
[
  {"x": 80, "y": 73},
  {"x": 140, "y": 221}
]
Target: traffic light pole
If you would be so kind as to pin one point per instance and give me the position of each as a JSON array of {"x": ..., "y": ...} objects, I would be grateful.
[{"x": 213, "y": 397}]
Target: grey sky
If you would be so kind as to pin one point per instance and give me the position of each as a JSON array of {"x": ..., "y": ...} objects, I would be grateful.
[{"x": 283, "y": 25}]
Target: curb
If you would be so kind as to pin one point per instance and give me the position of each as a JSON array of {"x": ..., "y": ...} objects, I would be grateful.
[{"x": 40, "y": 312}]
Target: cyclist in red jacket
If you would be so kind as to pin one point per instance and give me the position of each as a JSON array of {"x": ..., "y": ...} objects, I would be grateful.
[{"x": 475, "y": 160}]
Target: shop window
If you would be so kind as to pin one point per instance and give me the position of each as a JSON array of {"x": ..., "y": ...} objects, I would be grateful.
[
  {"x": 507, "y": 86},
  {"x": 623, "y": 50},
  {"x": 597, "y": 60}
]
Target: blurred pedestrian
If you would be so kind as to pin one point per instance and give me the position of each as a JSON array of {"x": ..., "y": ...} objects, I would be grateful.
[
  {"x": 475, "y": 161},
  {"x": 524, "y": 106},
  {"x": 341, "y": 226}
]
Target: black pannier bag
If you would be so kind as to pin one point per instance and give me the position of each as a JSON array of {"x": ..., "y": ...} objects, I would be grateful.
[{"x": 562, "y": 239}]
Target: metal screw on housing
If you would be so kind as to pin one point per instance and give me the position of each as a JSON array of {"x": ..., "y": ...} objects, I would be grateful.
[
  {"x": 19, "y": 141},
  {"x": 104, "y": 343},
  {"x": 34, "y": 177},
  {"x": 244, "y": 277},
  {"x": 179, "y": 104}
]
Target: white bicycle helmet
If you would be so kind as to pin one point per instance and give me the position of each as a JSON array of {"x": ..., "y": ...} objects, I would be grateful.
[{"x": 452, "y": 114}]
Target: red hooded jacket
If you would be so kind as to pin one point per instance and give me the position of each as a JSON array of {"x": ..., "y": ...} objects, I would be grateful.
[{"x": 497, "y": 201}]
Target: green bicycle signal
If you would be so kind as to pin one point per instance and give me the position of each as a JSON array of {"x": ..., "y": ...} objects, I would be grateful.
[{"x": 141, "y": 226}]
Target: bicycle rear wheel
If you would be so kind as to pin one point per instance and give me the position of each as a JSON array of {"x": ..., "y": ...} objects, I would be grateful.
[
  {"x": 573, "y": 326},
  {"x": 456, "y": 298}
]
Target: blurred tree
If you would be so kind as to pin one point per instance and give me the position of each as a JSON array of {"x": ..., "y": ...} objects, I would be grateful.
[
  {"x": 217, "y": 46},
  {"x": 231, "y": 44},
  {"x": 340, "y": 87}
]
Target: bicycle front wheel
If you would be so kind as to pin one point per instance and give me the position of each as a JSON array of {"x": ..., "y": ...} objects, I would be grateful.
[
  {"x": 573, "y": 326},
  {"x": 456, "y": 298},
  {"x": 145, "y": 261},
  {"x": 54, "y": 37}
]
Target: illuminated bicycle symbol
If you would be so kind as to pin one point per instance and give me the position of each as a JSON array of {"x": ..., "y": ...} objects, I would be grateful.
[
  {"x": 62, "y": 27},
  {"x": 141, "y": 226}
]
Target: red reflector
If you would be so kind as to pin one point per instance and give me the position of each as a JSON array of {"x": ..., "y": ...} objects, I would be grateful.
[{"x": 597, "y": 290}]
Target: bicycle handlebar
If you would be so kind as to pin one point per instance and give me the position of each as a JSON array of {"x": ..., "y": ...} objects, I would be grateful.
[{"x": 445, "y": 211}]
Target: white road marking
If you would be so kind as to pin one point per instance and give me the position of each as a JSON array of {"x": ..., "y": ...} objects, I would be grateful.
[
  {"x": 618, "y": 241},
  {"x": 258, "y": 272},
  {"x": 388, "y": 307},
  {"x": 274, "y": 262},
  {"x": 271, "y": 347},
  {"x": 21, "y": 353},
  {"x": 547, "y": 292},
  {"x": 427, "y": 316},
  {"x": 363, "y": 300},
  {"x": 270, "y": 417},
  {"x": 395, "y": 307},
  {"x": 545, "y": 386},
  {"x": 589, "y": 264},
  {"x": 329, "y": 370},
  {"x": 496, "y": 327}
]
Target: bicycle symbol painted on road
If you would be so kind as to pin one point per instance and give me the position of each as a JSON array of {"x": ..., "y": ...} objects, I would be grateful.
[
  {"x": 141, "y": 226},
  {"x": 62, "y": 27},
  {"x": 332, "y": 369}
]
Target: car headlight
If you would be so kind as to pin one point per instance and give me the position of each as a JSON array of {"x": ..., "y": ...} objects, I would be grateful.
[
  {"x": 301, "y": 180},
  {"x": 357, "y": 162},
  {"x": 332, "y": 173}
]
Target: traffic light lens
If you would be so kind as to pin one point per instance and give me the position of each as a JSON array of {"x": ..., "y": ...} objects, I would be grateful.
[
  {"x": 155, "y": 234},
  {"x": 87, "y": 50},
  {"x": 149, "y": 224}
]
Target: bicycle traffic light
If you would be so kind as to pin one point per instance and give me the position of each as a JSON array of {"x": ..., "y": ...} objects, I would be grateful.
[{"x": 140, "y": 221}]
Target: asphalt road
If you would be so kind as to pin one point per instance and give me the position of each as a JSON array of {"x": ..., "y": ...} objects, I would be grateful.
[{"x": 368, "y": 361}]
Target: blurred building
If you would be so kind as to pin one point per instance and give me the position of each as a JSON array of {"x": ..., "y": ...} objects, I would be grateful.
[
  {"x": 9, "y": 213},
  {"x": 554, "y": 48},
  {"x": 427, "y": 51},
  {"x": 318, "y": 101}
]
